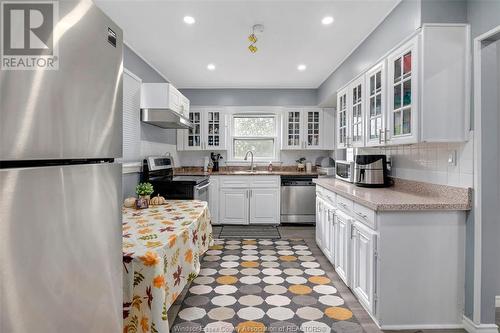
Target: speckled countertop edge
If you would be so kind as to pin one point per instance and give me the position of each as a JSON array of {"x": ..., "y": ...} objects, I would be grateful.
[
  {"x": 237, "y": 171},
  {"x": 403, "y": 196}
]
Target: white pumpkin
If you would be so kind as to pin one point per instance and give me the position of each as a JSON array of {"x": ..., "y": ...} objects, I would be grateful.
[{"x": 129, "y": 202}]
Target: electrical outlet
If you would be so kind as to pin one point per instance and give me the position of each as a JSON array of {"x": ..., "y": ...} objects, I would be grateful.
[{"x": 452, "y": 158}]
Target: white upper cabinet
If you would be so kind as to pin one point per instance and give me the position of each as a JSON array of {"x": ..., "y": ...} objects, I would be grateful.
[
  {"x": 306, "y": 128},
  {"x": 208, "y": 132},
  {"x": 418, "y": 93},
  {"x": 164, "y": 96},
  {"x": 350, "y": 115},
  {"x": 402, "y": 90},
  {"x": 342, "y": 124},
  {"x": 292, "y": 130},
  {"x": 356, "y": 93},
  {"x": 375, "y": 105}
]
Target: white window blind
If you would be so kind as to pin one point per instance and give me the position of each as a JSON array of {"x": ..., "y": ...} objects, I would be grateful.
[{"x": 131, "y": 118}]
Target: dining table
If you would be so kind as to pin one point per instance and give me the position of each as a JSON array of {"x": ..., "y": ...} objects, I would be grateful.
[{"x": 162, "y": 247}]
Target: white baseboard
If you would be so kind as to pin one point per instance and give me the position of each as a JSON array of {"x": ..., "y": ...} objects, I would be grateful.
[
  {"x": 497, "y": 301},
  {"x": 422, "y": 327},
  {"x": 472, "y": 327}
]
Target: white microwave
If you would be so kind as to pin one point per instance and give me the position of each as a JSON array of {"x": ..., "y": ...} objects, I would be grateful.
[{"x": 344, "y": 170}]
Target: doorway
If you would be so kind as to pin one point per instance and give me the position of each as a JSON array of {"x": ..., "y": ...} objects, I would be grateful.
[{"x": 487, "y": 177}]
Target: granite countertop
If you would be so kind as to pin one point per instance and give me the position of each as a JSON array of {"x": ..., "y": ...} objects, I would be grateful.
[
  {"x": 243, "y": 171},
  {"x": 404, "y": 195}
]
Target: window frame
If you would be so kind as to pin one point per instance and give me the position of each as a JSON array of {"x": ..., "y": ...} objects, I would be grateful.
[{"x": 276, "y": 137}]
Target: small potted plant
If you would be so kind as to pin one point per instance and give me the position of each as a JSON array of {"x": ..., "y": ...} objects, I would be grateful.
[
  {"x": 144, "y": 191},
  {"x": 300, "y": 164}
]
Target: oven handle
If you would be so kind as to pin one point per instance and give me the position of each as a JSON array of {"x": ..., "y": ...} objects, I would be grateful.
[{"x": 201, "y": 188}]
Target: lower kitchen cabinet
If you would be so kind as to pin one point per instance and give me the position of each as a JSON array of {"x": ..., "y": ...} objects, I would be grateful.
[
  {"x": 406, "y": 268},
  {"x": 263, "y": 203},
  {"x": 213, "y": 199},
  {"x": 325, "y": 217},
  {"x": 233, "y": 206},
  {"x": 363, "y": 261},
  {"x": 247, "y": 199},
  {"x": 341, "y": 240}
]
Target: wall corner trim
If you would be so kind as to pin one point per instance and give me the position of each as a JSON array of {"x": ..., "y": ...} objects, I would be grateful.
[{"x": 472, "y": 327}]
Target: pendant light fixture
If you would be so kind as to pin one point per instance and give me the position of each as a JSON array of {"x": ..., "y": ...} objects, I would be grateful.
[{"x": 257, "y": 30}]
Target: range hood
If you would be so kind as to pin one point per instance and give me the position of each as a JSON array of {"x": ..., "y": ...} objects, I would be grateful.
[
  {"x": 164, "y": 106},
  {"x": 165, "y": 118}
]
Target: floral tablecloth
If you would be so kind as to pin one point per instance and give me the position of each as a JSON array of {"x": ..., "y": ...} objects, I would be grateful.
[{"x": 161, "y": 250}]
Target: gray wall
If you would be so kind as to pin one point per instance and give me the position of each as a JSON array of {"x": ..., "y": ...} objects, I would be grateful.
[
  {"x": 399, "y": 24},
  {"x": 483, "y": 15},
  {"x": 444, "y": 11},
  {"x": 139, "y": 67},
  {"x": 251, "y": 97}
]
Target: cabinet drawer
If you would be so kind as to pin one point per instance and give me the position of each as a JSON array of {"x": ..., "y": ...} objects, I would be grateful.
[
  {"x": 326, "y": 195},
  {"x": 364, "y": 215},
  {"x": 233, "y": 182},
  {"x": 344, "y": 204},
  {"x": 264, "y": 181}
]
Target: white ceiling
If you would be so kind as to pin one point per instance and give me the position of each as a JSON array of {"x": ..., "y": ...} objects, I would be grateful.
[{"x": 293, "y": 35}]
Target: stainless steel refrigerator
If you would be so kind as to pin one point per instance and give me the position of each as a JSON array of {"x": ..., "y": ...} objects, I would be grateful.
[{"x": 60, "y": 187}]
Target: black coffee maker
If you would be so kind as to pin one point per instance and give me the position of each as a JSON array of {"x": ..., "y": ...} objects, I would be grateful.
[{"x": 215, "y": 161}]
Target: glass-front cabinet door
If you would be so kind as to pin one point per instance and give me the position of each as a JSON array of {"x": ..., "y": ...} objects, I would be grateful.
[
  {"x": 312, "y": 121},
  {"x": 194, "y": 137},
  {"x": 292, "y": 128},
  {"x": 375, "y": 106},
  {"x": 214, "y": 124},
  {"x": 342, "y": 119},
  {"x": 402, "y": 93},
  {"x": 356, "y": 113}
]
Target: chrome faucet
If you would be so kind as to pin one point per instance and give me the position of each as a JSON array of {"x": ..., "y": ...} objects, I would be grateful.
[{"x": 246, "y": 159}]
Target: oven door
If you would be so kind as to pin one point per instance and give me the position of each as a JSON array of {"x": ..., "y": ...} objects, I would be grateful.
[{"x": 201, "y": 191}]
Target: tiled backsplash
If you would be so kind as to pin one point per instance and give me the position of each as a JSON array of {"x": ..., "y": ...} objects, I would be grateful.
[
  {"x": 428, "y": 162},
  {"x": 287, "y": 157}
]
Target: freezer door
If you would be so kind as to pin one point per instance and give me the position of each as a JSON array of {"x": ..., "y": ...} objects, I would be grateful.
[
  {"x": 72, "y": 112},
  {"x": 61, "y": 249}
]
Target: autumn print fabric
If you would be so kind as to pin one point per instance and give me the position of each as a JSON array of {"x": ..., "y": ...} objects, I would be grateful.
[{"x": 162, "y": 246}]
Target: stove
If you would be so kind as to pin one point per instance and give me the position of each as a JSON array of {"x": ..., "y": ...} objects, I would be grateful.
[{"x": 159, "y": 171}]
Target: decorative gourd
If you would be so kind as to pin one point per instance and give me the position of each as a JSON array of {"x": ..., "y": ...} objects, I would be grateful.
[
  {"x": 129, "y": 202},
  {"x": 158, "y": 200}
]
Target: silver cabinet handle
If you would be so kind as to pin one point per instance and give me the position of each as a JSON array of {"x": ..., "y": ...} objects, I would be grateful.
[
  {"x": 343, "y": 205},
  {"x": 380, "y": 136},
  {"x": 250, "y": 193},
  {"x": 361, "y": 215}
]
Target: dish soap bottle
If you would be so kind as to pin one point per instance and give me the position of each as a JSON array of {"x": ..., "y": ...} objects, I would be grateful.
[{"x": 270, "y": 167}]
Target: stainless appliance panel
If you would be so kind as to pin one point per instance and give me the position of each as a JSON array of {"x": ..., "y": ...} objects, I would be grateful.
[
  {"x": 201, "y": 192},
  {"x": 61, "y": 249},
  {"x": 298, "y": 204},
  {"x": 72, "y": 112}
]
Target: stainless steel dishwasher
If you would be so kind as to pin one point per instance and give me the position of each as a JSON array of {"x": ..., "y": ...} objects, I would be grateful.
[{"x": 298, "y": 199}]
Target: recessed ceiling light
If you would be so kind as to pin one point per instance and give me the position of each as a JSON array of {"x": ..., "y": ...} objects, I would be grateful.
[
  {"x": 189, "y": 20},
  {"x": 211, "y": 67},
  {"x": 301, "y": 67},
  {"x": 327, "y": 20}
]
